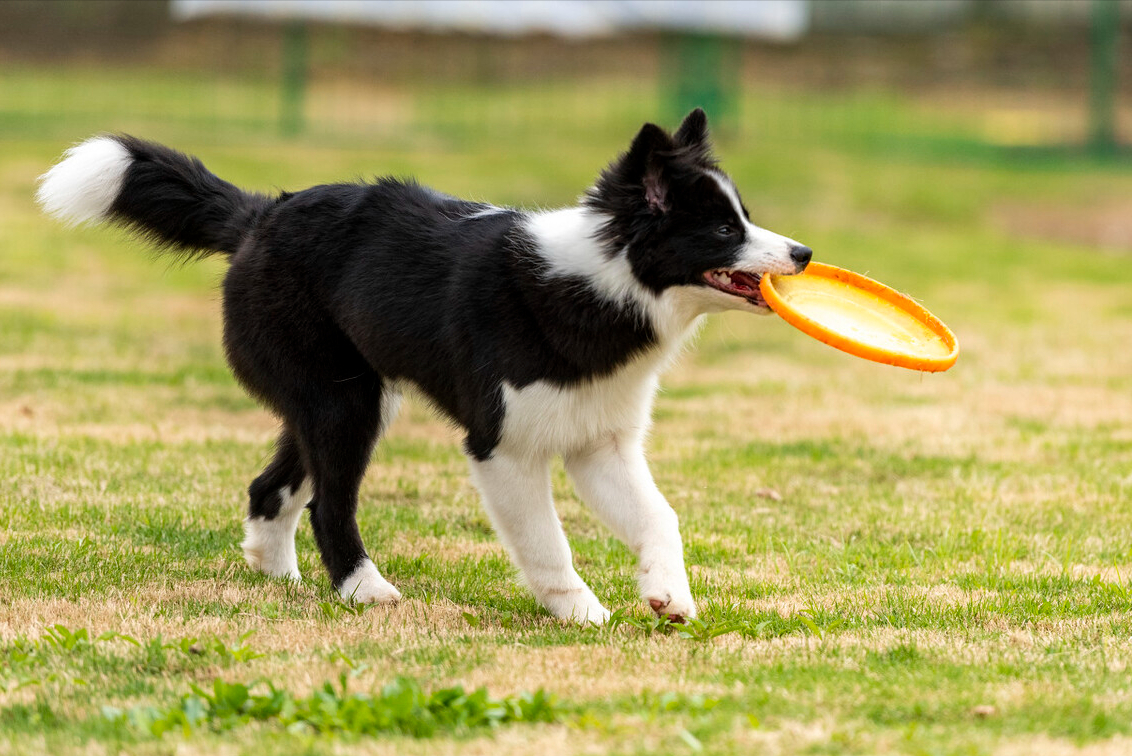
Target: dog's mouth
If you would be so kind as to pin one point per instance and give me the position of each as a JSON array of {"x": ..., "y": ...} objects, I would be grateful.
[{"x": 737, "y": 283}]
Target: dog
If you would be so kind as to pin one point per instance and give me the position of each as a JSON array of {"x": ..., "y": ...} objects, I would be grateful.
[{"x": 538, "y": 333}]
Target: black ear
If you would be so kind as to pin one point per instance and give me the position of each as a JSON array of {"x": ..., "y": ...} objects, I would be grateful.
[
  {"x": 637, "y": 180},
  {"x": 693, "y": 132},
  {"x": 645, "y": 163}
]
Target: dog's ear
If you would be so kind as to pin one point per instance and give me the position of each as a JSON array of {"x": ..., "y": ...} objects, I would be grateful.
[
  {"x": 693, "y": 132},
  {"x": 637, "y": 180},
  {"x": 692, "y": 138},
  {"x": 645, "y": 163}
]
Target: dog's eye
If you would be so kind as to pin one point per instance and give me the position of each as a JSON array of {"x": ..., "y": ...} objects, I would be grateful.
[{"x": 725, "y": 231}]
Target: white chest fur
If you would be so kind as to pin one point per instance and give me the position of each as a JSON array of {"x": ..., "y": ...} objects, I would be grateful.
[{"x": 543, "y": 419}]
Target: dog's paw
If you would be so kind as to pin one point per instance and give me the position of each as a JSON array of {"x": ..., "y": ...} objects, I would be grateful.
[
  {"x": 365, "y": 585},
  {"x": 676, "y": 611},
  {"x": 667, "y": 596},
  {"x": 579, "y": 605},
  {"x": 269, "y": 546}
]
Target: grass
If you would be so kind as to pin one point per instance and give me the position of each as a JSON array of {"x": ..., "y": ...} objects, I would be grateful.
[{"x": 885, "y": 562}]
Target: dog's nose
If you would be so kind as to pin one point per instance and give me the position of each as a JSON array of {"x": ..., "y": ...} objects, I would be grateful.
[{"x": 801, "y": 256}]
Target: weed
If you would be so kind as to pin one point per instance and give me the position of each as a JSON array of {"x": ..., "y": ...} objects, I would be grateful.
[
  {"x": 63, "y": 639},
  {"x": 237, "y": 653},
  {"x": 697, "y": 629},
  {"x": 401, "y": 707},
  {"x": 337, "y": 608},
  {"x": 648, "y": 623}
]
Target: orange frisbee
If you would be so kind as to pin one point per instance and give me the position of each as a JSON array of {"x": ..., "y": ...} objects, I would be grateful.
[{"x": 862, "y": 317}]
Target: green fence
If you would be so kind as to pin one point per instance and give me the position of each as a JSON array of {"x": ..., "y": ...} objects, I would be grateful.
[{"x": 979, "y": 90}]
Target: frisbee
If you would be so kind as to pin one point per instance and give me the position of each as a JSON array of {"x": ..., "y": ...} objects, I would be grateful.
[{"x": 862, "y": 317}]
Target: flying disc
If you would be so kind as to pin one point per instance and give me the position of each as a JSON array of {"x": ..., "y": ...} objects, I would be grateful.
[{"x": 862, "y": 317}]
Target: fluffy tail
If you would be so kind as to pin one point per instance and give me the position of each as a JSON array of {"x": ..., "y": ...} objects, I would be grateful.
[{"x": 168, "y": 197}]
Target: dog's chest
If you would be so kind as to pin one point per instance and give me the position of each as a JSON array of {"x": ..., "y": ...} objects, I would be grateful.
[{"x": 544, "y": 419}]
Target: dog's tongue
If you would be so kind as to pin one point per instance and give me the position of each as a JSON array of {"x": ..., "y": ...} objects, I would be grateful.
[
  {"x": 748, "y": 286},
  {"x": 741, "y": 280}
]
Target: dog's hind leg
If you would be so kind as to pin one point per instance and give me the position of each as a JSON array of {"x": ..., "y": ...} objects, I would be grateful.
[
  {"x": 612, "y": 477},
  {"x": 517, "y": 496},
  {"x": 275, "y": 504},
  {"x": 287, "y": 351},
  {"x": 336, "y": 429}
]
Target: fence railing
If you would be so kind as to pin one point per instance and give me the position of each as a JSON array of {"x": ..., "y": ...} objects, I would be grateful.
[{"x": 978, "y": 92}]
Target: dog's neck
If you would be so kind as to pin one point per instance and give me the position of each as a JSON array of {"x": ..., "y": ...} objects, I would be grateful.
[{"x": 569, "y": 243}]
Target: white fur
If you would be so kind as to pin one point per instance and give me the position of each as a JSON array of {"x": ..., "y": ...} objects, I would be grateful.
[
  {"x": 599, "y": 426},
  {"x": 765, "y": 251},
  {"x": 391, "y": 398},
  {"x": 484, "y": 212},
  {"x": 82, "y": 187},
  {"x": 568, "y": 243},
  {"x": 516, "y": 494},
  {"x": 366, "y": 586},
  {"x": 613, "y": 478},
  {"x": 543, "y": 419},
  {"x": 269, "y": 545}
]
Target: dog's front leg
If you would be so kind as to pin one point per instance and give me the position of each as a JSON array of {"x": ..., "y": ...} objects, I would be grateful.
[
  {"x": 613, "y": 478},
  {"x": 517, "y": 496}
]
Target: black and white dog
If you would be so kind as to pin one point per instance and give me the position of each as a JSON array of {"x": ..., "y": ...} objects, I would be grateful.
[{"x": 538, "y": 333}]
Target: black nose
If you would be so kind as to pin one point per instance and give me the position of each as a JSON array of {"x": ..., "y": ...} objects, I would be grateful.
[{"x": 801, "y": 256}]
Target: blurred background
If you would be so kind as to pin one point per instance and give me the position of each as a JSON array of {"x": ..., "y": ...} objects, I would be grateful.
[{"x": 973, "y": 77}]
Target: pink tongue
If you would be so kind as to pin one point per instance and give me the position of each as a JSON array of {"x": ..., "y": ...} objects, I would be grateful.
[{"x": 743, "y": 280}]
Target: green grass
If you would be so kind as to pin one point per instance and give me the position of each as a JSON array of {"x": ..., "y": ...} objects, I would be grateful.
[{"x": 885, "y": 562}]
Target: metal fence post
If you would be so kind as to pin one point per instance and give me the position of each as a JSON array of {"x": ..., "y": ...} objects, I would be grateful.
[
  {"x": 1102, "y": 102},
  {"x": 294, "y": 81}
]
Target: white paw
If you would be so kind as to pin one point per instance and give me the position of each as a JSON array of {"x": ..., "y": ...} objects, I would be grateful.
[
  {"x": 269, "y": 546},
  {"x": 667, "y": 595},
  {"x": 365, "y": 585},
  {"x": 579, "y": 606}
]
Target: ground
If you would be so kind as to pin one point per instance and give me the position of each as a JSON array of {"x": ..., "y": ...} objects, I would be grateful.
[{"x": 886, "y": 562}]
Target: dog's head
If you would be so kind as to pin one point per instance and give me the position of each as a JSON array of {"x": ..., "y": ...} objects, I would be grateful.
[{"x": 681, "y": 222}]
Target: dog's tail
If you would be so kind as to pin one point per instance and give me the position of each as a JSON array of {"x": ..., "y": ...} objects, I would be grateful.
[{"x": 168, "y": 197}]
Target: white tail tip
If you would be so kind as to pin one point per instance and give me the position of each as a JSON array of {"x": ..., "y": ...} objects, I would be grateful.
[{"x": 82, "y": 186}]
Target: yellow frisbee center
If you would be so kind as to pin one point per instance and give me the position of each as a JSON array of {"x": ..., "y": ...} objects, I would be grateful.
[{"x": 859, "y": 315}]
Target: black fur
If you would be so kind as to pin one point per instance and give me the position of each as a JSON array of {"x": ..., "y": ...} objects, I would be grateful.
[
  {"x": 286, "y": 469},
  {"x": 337, "y": 293},
  {"x": 174, "y": 201},
  {"x": 670, "y": 230}
]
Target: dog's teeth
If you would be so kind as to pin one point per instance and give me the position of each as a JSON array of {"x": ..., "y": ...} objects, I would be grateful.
[{"x": 723, "y": 278}]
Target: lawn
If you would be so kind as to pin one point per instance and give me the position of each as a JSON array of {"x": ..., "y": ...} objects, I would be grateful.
[{"x": 885, "y": 562}]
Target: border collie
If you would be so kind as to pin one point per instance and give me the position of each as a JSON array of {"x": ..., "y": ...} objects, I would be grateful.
[{"x": 537, "y": 333}]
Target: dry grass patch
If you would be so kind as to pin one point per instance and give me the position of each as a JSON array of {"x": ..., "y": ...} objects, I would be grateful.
[
  {"x": 446, "y": 548},
  {"x": 1045, "y": 746},
  {"x": 50, "y": 421},
  {"x": 787, "y": 736},
  {"x": 542, "y": 739},
  {"x": 1106, "y": 226},
  {"x": 589, "y": 672}
]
